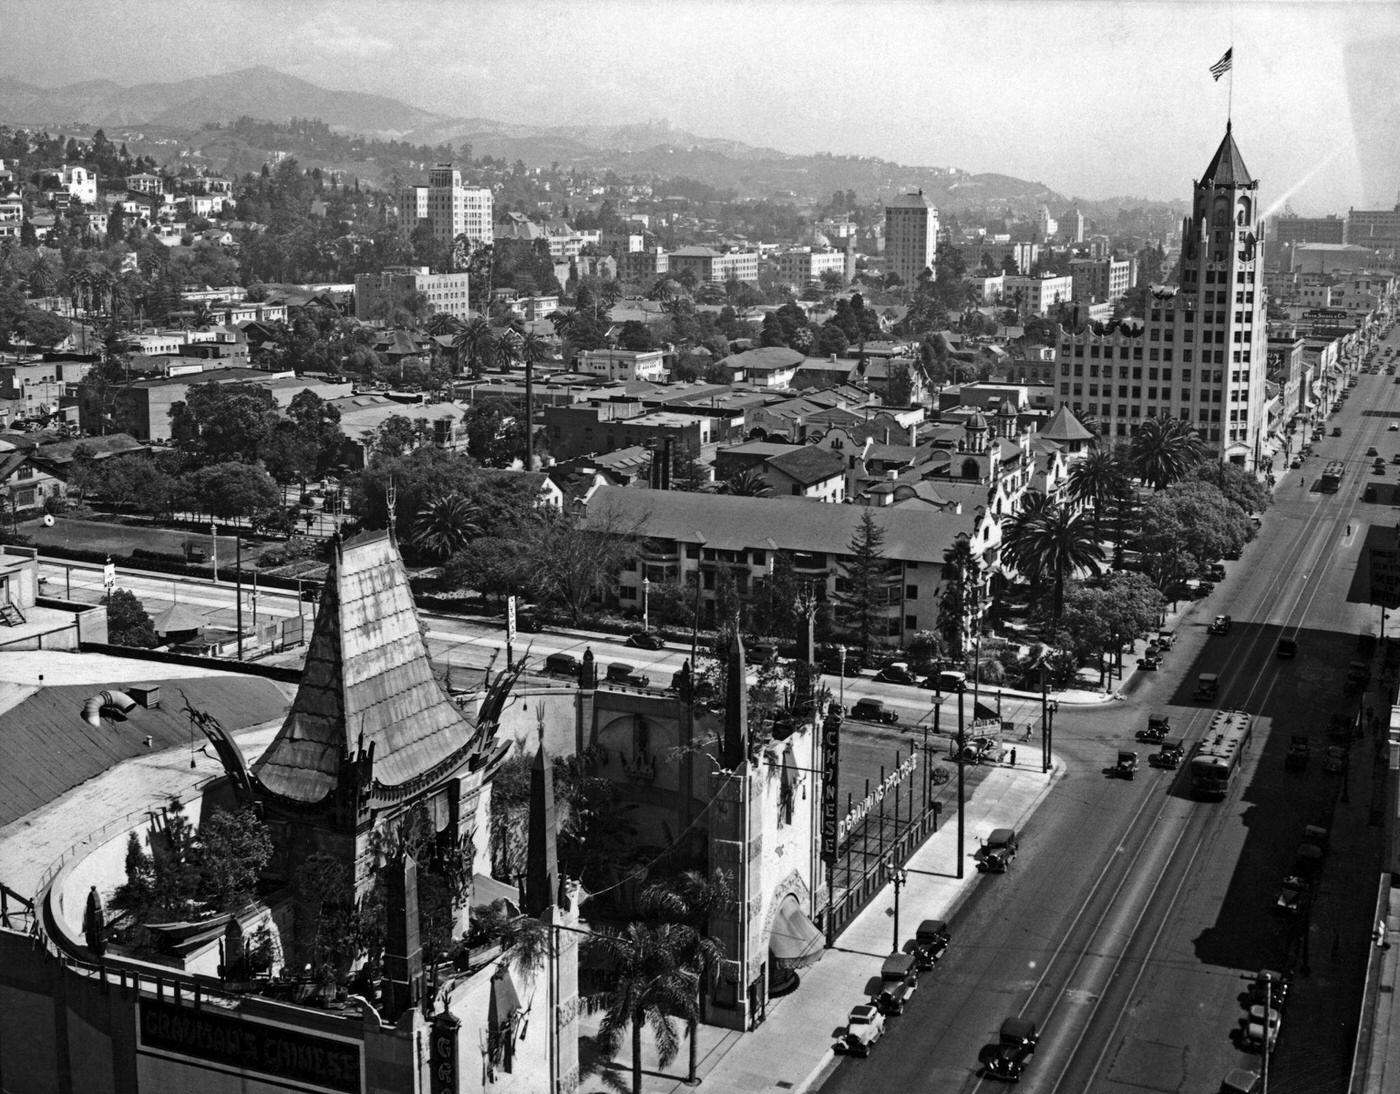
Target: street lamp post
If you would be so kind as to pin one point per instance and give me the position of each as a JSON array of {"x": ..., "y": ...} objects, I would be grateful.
[
  {"x": 901, "y": 879},
  {"x": 961, "y": 822},
  {"x": 646, "y": 603},
  {"x": 214, "y": 548}
]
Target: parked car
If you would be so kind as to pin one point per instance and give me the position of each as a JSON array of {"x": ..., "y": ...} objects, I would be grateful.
[
  {"x": 896, "y": 673},
  {"x": 1287, "y": 647},
  {"x": 1291, "y": 894},
  {"x": 832, "y": 662},
  {"x": 873, "y": 710},
  {"x": 997, "y": 851},
  {"x": 1258, "y": 1027},
  {"x": 1240, "y": 1080},
  {"x": 1215, "y": 571},
  {"x": 1275, "y": 985},
  {"x": 620, "y": 672},
  {"x": 761, "y": 653},
  {"x": 562, "y": 664},
  {"x": 1336, "y": 431},
  {"x": 1334, "y": 759},
  {"x": 1372, "y": 451},
  {"x": 311, "y": 591},
  {"x": 1165, "y": 639},
  {"x": 865, "y": 1025},
  {"x": 899, "y": 976},
  {"x": 1149, "y": 662},
  {"x": 930, "y": 941},
  {"x": 1220, "y": 625},
  {"x": 948, "y": 680},
  {"x": 1299, "y": 752},
  {"x": 645, "y": 640}
]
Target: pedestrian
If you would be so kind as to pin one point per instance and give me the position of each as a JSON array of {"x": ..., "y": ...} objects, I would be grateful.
[
  {"x": 1348, "y": 529},
  {"x": 1029, "y": 727},
  {"x": 1013, "y": 757}
]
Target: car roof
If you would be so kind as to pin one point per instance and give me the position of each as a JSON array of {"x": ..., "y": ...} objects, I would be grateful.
[{"x": 1017, "y": 1027}]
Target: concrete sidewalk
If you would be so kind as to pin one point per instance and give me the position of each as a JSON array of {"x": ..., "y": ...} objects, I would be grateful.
[{"x": 792, "y": 1049}]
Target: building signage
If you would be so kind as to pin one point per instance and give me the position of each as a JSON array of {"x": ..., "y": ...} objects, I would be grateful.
[
  {"x": 877, "y": 795},
  {"x": 1385, "y": 577},
  {"x": 442, "y": 1055},
  {"x": 510, "y": 619},
  {"x": 305, "y": 1060},
  {"x": 831, "y": 780}
]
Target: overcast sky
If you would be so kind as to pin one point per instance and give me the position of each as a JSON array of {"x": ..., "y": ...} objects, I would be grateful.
[{"x": 1092, "y": 98}]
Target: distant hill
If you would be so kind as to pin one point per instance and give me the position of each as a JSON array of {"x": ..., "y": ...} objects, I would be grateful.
[{"x": 188, "y": 106}]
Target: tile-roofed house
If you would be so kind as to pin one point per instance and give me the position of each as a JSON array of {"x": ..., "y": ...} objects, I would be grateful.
[{"x": 808, "y": 471}]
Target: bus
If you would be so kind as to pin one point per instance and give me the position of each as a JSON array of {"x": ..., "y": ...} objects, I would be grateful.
[
  {"x": 1221, "y": 753},
  {"x": 1332, "y": 477}
]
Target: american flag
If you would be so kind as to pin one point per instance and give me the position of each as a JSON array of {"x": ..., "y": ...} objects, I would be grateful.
[{"x": 1222, "y": 66}]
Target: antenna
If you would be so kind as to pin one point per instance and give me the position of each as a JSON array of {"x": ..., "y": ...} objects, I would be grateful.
[{"x": 391, "y": 497}]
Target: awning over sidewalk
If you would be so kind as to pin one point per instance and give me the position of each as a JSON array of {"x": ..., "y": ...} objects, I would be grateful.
[{"x": 795, "y": 942}]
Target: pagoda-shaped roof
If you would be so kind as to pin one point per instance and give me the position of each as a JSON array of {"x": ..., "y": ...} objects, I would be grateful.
[
  {"x": 1226, "y": 167},
  {"x": 1065, "y": 427},
  {"x": 176, "y": 619},
  {"x": 367, "y": 684}
]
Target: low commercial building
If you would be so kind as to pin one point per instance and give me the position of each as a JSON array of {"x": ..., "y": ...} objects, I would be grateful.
[
  {"x": 717, "y": 266},
  {"x": 623, "y": 364}
]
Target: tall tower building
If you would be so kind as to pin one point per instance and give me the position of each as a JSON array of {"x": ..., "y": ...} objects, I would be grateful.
[
  {"x": 911, "y": 236},
  {"x": 450, "y": 208},
  {"x": 1201, "y": 352}
]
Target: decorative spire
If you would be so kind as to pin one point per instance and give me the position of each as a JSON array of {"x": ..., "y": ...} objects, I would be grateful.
[
  {"x": 542, "y": 854},
  {"x": 735, "y": 746}
]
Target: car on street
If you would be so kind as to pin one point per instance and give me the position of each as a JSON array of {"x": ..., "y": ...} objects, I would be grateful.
[
  {"x": 1008, "y": 1056},
  {"x": 1337, "y": 430},
  {"x": 1299, "y": 752},
  {"x": 1275, "y": 985},
  {"x": 1215, "y": 571},
  {"x": 897, "y": 672},
  {"x": 1334, "y": 759},
  {"x": 1207, "y": 685},
  {"x": 997, "y": 851},
  {"x": 1253, "y": 1034},
  {"x": 620, "y": 672},
  {"x": 832, "y": 662},
  {"x": 1220, "y": 625},
  {"x": 761, "y": 653},
  {"x": 873, "y": 710},
  {"x": 1291, "y": 894},
  {"x": 1170, "y": 755},
  {"x": 865, "y": 1025},
  {"x": 1149, "y": 662},
  {"x": 899, "y": 977},
  {"x": 1240, "y": 1080},
  {"x": 1158, "y": 726},
  {"x": 930, "y": 941},
  {"x": 1372, "y": 451},
  {"x": 1287, "y": 646},
  {"x": 645, "y": 640},
  {"x": 561, "y": 664},
  {"x": 1125, "y": 767}
]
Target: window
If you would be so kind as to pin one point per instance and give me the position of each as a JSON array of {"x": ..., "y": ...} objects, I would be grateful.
[
  {"x": 911, "y": 592},
  {"x": 627, "y": 592}
]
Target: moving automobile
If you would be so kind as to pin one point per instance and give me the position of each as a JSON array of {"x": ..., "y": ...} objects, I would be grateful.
[
  {"x": 1291, "y": 894},
  {"x": 1287, "y": 646},
  {"x": 1158, "y": 726},
  {"x": 1125, "y": 767},
  {"x": 873, "y": 710},
  {"x": 645, "y": 640},
  {"x": 1299, "y": 752},
  {"x": 865, "y": 1025},
  {"x": 1170, "y": 755},
  {"x": 1220, "y": 625},
  {"x": 1207, "y": 685},
  {"x": 1149, "y": 662},
  {"x": 1006, "y": 1059}
]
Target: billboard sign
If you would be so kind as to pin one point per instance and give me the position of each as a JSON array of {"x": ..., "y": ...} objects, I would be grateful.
[{"x": 831, "y": 778}]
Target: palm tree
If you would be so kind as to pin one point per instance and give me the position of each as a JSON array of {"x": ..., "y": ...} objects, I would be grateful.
[
  {"x": 1058, "y": 545},
  {"x": 474, "y": 340},
  {"x": 1164, "y": 450},
  {"x": 529, "y": 349},
  {"x": 1017, "y": 534},
  {"x": 441, "y": 322},
  {"x": 691, "y": 898},
  {"x": 1097, "y": 479},
  {"x": 962, "y": 577},
  {"x": 748, "y": 483},
  {"x": 655, "y": 978},
  {"x": 445, "y": 525}
]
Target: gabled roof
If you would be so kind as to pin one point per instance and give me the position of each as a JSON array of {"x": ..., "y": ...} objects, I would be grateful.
[
  {"x": 1065, "y": 427},
  {"x": 367, "y": 684},
  {"x": 1226, "y": 167},
  {"x": 808, "y": 464}
]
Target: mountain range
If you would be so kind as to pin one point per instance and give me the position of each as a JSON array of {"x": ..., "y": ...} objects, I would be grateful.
[{"x": 185, "y": 107}]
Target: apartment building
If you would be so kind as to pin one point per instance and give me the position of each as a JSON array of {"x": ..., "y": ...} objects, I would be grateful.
[
  {"x": 1037, "y": 295},
  {"x": 803, "y": 265},
  {"x": 1096, "y": 279},
  {"x": 450, "y": 208},
  {"x": 911, "y": 236},
  {"x": 447, "y": 293},
  {"x": 716, "y": 266}
]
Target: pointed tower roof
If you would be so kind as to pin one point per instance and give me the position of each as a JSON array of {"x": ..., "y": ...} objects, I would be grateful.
[
  {"x": 541, "y": 851},
  {"x": 1226, "y": 167},
  {"x": 367, "y": 684},
  {"x": 1065, "y": 427}
]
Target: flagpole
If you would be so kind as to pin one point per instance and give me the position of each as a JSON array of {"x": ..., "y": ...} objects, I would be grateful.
[{"x": 1230, "y": 93}]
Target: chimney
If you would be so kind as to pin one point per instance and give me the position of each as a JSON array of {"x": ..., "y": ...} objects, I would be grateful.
[
  {"x": 734, "y": 747},
  {"x": 668, "y": 451}
]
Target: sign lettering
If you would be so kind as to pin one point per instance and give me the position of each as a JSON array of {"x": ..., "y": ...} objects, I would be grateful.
[
  {"x": 236, "y": 1042},
  {"x": 831, "y": 779},
  {"x": 877, "y": 795},
  {"x": 443, "y": 1054}
]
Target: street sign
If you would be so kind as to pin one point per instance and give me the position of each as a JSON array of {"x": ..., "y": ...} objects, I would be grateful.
[
  {"x": 109, "y": 575},
  {"x": 510, "y": 619},
  {"x": 1385, "y": 577}
]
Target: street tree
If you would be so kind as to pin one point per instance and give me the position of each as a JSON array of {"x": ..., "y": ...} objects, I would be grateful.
[
  {"x": 960, "y": 598},
  {"x": 232, "y": 490},
  {"x": 575, "y": 558},
  {"x": 865, "y": 568},
  {"x": 1097, "y": 480},
  {"x": 445, "y": 525},
  {"x": 1188, "y": 525},
  {"x": 128, "y": 622},
  {"x": 1057, "y": 545},
  {"x": 1240, "y": 487}
]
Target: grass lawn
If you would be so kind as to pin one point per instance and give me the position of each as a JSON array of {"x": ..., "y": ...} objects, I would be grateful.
[{"x": 122, "y": 539}]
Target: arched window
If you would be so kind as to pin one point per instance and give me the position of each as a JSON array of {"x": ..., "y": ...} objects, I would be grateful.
[
  {"x": 971, "y": 469},
  {"x": 1243, "y": 211},
  {"x": 1221, "y": 213}
]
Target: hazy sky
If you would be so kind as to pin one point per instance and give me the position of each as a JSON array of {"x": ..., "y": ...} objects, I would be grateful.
[{"x": 1091, "y": 98}]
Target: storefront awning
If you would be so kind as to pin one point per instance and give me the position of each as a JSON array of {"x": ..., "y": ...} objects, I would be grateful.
[{"x": 795, "y": 942}]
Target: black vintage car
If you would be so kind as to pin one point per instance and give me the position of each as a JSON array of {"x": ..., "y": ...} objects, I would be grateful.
[{"x": 1170, "y": 755}]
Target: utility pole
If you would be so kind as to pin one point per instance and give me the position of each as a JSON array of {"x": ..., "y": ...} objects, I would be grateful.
[
  {"x": 961, "y": 819},
  {"x": 238, "y": 588},
  {"x": 900, "y": 878}
]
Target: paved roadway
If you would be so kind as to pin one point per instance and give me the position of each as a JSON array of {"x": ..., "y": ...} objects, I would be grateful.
[{"x": 1133, "y": 911}]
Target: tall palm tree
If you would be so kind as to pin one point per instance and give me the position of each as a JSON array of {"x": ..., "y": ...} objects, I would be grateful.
[
  {"x": 445, "y": 525},
  {"x": 962, "y": 578},
  {"x": 528, "y": 349},
  {"x": 691, "y": 898},
  {"x": 1164, "y": 450},
  {"x": 748, "y": 483},
  {"x": 1017, "y": 533},
  {"x": 1058, "y": 545},
  {"x": 475, "y": 340},
  {"x": 1096, "y": 480},
  {"x": 654, "y": 978}
]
